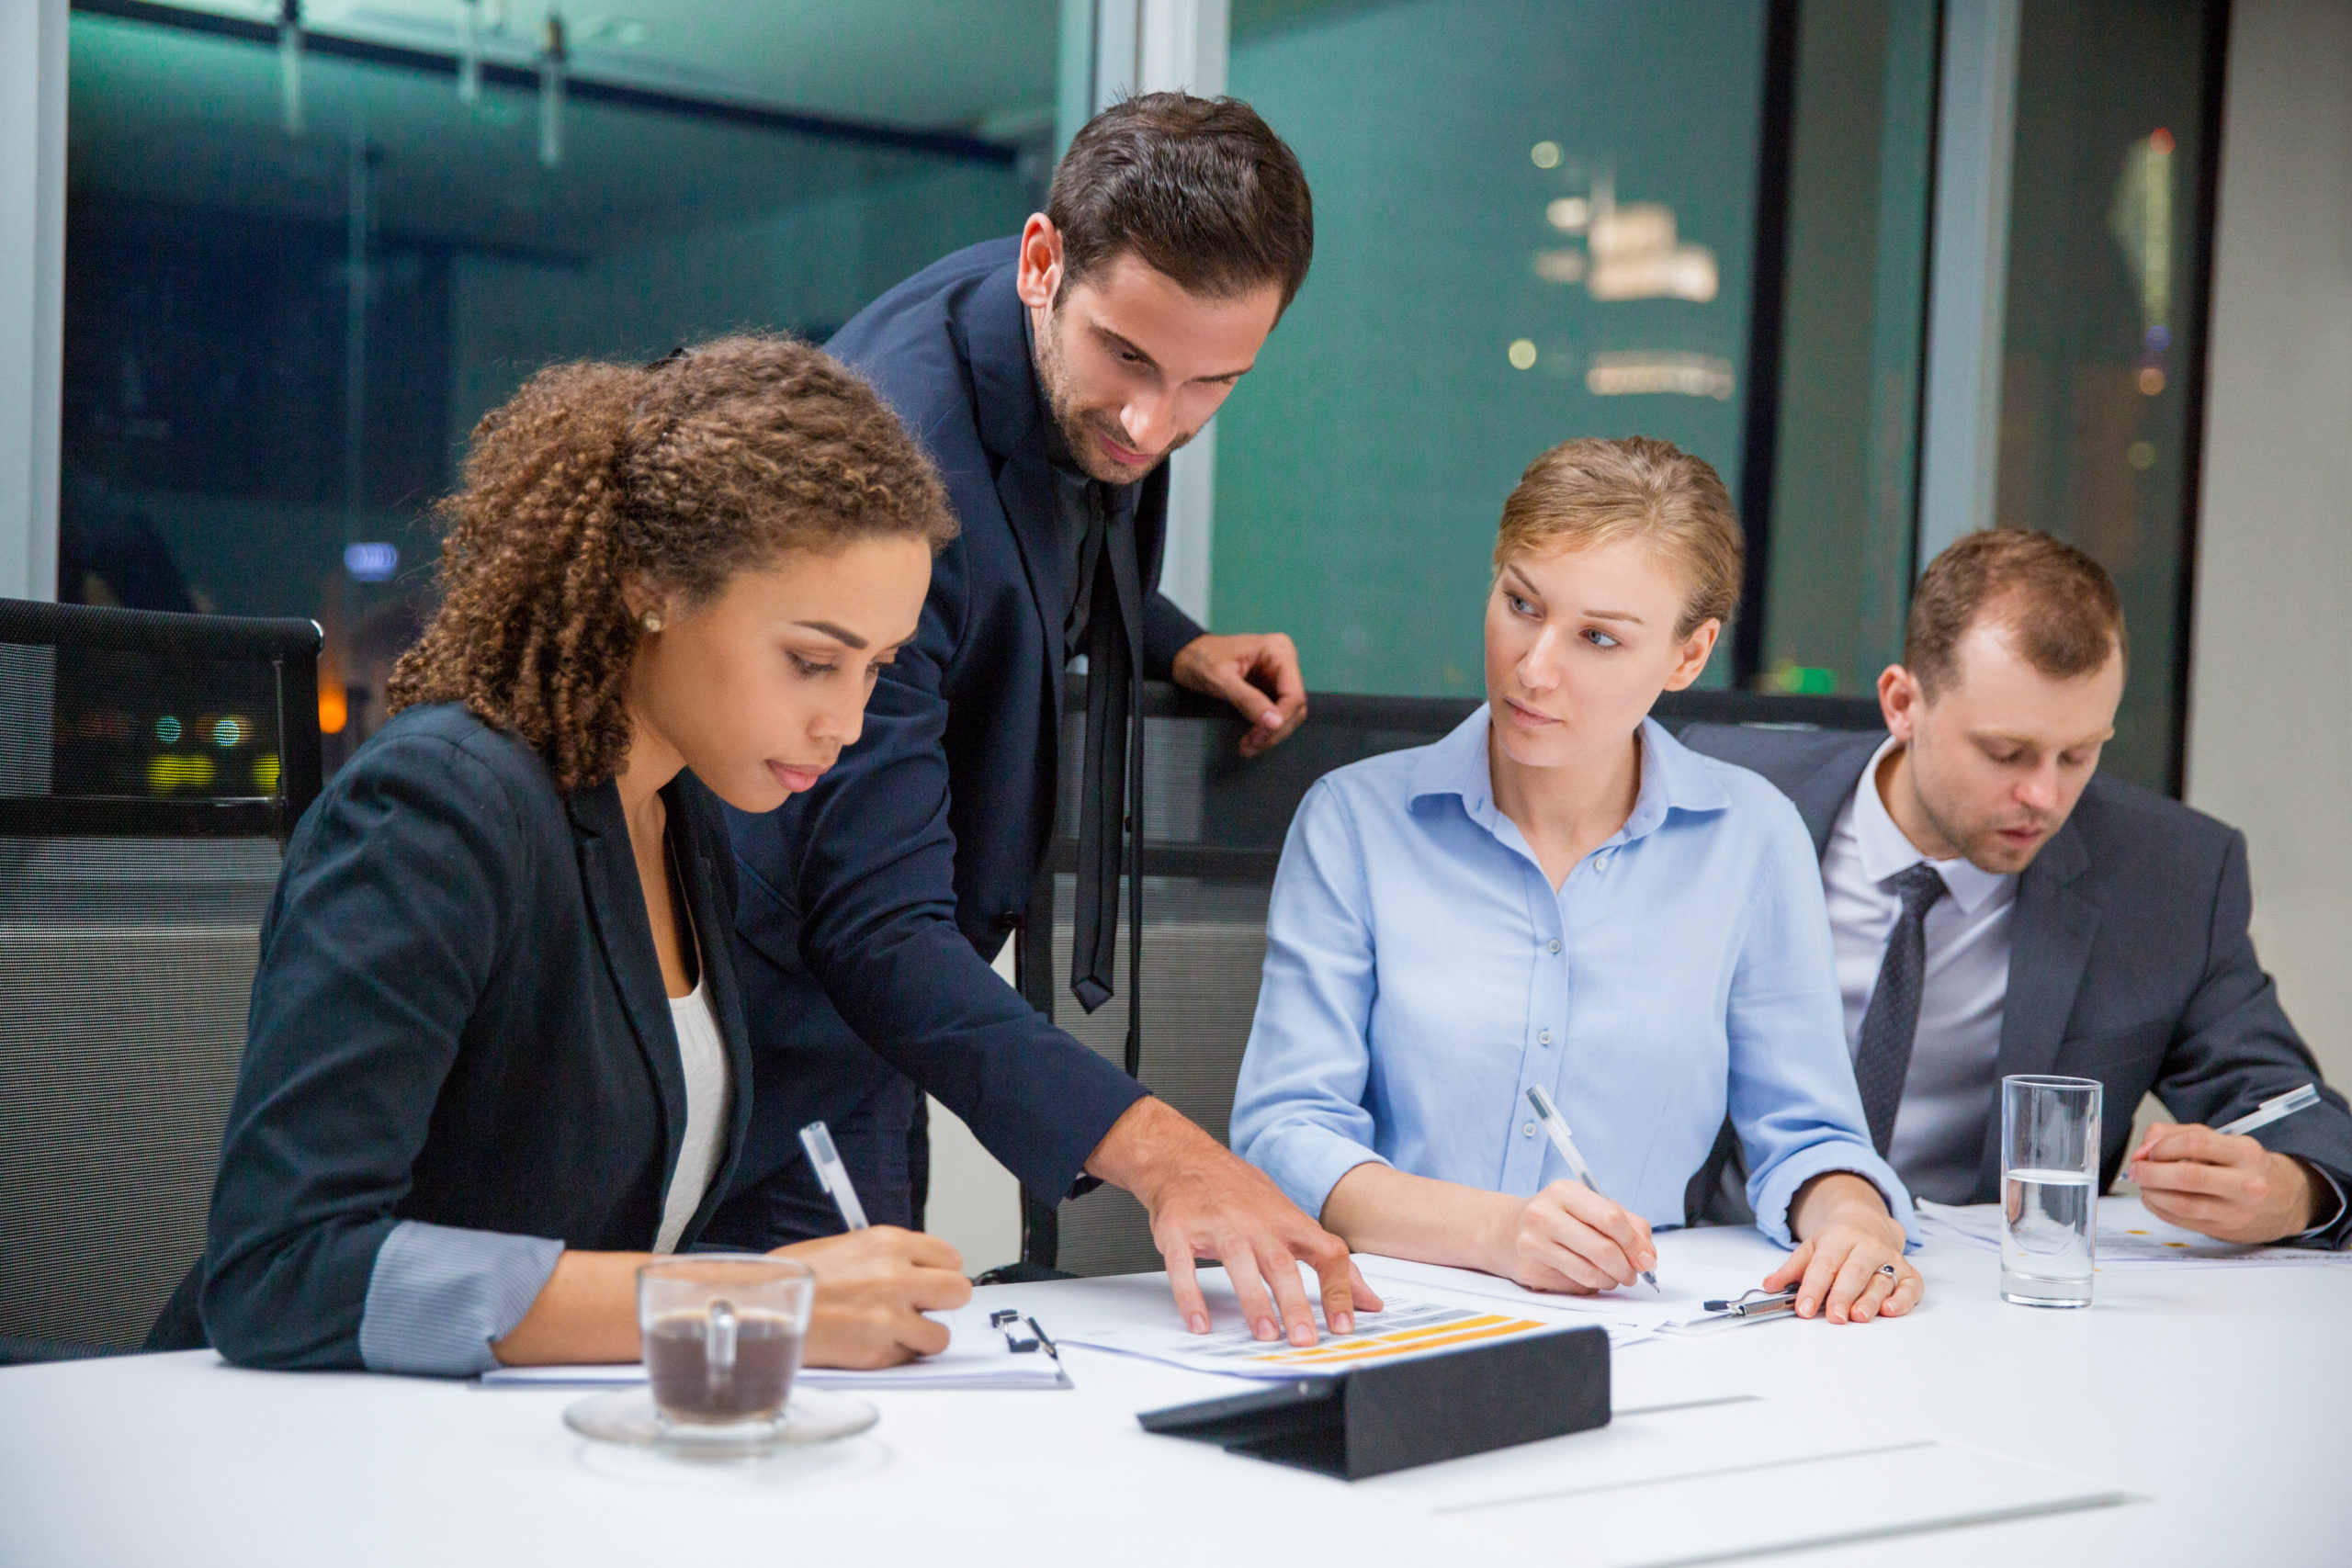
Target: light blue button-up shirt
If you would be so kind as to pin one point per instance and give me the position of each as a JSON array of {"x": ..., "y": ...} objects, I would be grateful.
[{"x": 1422, "y": 974}]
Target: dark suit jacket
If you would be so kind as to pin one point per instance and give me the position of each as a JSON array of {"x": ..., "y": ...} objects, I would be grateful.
[
  {"x": 872, "y": 903},
  {"x": 2130, "y": 960},
  {"x": 459, "y": 1017}
]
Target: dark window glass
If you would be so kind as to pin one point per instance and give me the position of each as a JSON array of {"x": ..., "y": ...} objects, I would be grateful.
[
  {"x": 1533, "y": 220},
  {"x": 276, "y": 342},
  {"x": 2103, "y": 346}
]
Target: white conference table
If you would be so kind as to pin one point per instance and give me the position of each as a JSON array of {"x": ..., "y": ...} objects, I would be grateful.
[{"x": 2216, "y": 1404}]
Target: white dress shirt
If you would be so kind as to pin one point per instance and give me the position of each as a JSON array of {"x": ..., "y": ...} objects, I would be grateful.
[
  {"x": 1955, "y": 1056},
  {"x": 702, "y": 1057},
  {"x": 701, "y": 1054}
]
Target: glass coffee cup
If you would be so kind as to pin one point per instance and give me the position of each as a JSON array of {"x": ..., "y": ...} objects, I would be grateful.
[{"x": 722, "y": 1333}]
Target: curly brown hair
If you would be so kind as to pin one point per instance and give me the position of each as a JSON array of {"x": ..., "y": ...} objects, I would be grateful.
[{"x": 681, "y": 474}]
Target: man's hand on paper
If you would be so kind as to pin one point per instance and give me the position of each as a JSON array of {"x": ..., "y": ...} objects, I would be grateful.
[
  {"x": 1569, "y": 1238},
  {"x": 2230, "y": 1189},
  {"x": 873, "y": 1288},
  {"x": 1206, "y": 1203},
  {"x": 1847, "y": 1237}
]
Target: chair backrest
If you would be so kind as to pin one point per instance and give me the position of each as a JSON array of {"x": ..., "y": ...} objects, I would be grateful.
[
  {"x": 1213, "y": 834},
  {"x": 151, "y": 766}
]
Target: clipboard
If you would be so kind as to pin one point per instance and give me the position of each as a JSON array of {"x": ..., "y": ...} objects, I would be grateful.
[{"x": 1393, "y": 1415}]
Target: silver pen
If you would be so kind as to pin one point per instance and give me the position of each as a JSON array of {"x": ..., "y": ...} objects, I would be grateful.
[
  {"x": 2276, "y": 1107},
  {"x": 1554, "y": 1124},
  {"x": 818, "y": 1139}
]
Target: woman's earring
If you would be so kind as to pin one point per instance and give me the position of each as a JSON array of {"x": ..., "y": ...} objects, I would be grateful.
[{"x": 650, "y": 620}]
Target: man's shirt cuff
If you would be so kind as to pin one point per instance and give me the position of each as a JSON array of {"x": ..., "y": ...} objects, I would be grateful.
[
  {"x": 2334, "y": 1216},
  {"x": 440, "y": 1297}
]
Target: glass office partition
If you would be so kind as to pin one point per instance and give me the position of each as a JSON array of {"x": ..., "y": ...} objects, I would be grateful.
[
  {"x": 1845, "y": 443},
  {"x": 1533, "y": 220},
  {"x": 1537, "y": 219},
  {"x": 279, "y": 335},
  {"x": 2103, "y": 349}
]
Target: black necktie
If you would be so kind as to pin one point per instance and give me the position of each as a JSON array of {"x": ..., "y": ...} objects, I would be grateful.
[
  {"x": 1883, "y": 1060},
  {"x": 1110, "y": 812}
]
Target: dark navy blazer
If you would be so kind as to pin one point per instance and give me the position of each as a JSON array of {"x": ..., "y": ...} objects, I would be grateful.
[
  {"x": 459, "y": 1017},
  {"x": 2130, "y": 960},
  {"x": 872, "y": 904}
]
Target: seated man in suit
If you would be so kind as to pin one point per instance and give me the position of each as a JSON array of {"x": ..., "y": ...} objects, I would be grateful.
[{"x": 1998, "y": 908}]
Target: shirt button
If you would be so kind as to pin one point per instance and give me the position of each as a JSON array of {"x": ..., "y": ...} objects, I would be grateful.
[
  {"x": 1545, "y": 1038},
  {"x": 1556, "y": 945},
  {"x": 1527, "y": 1129}
]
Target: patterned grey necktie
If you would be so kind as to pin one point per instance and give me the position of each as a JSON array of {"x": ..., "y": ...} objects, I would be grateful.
[{"x": 1883, "y": 1060}]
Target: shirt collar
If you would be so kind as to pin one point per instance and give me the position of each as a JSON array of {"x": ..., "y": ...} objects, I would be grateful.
[
  {"x": 1673, "y": 778},
  {"x": 1888, "y": 851}
]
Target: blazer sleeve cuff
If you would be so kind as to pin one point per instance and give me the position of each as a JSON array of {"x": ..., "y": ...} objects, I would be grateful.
[
  {"x": 1092, "y": 1100},
  {"x": 1166, "y": 631},
  {"x": 1771, "y": 1192},
  {"x": 1306, "y": 1162},
  {"x": 439, "y": 1297}
]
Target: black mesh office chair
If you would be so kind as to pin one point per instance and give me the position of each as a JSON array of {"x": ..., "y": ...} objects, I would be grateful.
[
  {"x": 150, "y": 767},
  {"x": 1213, "y": 834}
]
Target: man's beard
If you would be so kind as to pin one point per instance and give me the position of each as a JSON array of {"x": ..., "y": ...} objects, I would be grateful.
[
  {"x": 1081, "y": 428},
  {"x": 1982, "y": 848}
]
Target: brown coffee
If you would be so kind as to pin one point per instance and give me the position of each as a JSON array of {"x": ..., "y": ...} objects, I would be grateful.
[{"x": 694, "y": 1378}]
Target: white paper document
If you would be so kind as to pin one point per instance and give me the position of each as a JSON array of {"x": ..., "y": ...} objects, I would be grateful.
[
  {"x": 1408, "y": 1325},
  {"x": 1631, "y": 1312},
  {"x": 978, "y": 1356},
  {"x": 1430, "y": 1309},
  {"x": 2129, "y": 1236}
]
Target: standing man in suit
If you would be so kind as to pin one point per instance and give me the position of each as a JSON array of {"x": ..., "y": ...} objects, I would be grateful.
[
  {"x": 1049, "y": 375},
  {"x": 1999, "y": 907}
]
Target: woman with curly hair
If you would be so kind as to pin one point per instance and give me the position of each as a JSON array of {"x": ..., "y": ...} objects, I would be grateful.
[{"x": 496, "y": 1054}]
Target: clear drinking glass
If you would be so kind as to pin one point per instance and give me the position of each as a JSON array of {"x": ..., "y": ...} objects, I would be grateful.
[
  {"x": 2049, "y": 1190},
  {"x": 722, "y": 1333}
]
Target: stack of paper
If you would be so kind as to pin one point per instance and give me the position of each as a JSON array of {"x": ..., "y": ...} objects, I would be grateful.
[
  {"x": 1408, "y": 1326},
  {"x": 1631, "y": 1314},
  {"x": 978, "y": 1356},
  {"x": 2129, "y": 1236},
  {"x": 1432, "y": 1309}
]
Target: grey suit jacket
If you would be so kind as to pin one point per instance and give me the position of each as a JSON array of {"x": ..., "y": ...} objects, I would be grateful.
[{"x": 2130, "y": 959}]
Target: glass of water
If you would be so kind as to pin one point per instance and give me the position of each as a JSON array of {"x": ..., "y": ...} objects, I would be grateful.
[{"x": 2049, "y": 1190}]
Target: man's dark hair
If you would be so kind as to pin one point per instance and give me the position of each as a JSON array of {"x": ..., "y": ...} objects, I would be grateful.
[
  {"x": 2056, "y": 605},
  {"x": 1201, "y": 189}
]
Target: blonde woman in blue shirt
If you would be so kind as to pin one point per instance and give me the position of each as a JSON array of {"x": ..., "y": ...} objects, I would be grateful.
[{"x": 1558, "y": 894}]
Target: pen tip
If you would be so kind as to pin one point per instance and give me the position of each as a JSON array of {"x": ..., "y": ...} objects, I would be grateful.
[{"x": 1652, "y": 1277}]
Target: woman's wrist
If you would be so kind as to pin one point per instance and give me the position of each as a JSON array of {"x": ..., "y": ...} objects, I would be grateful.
[
  {"x": 1502, "y": 1216},
  {"x": 1841, "y": 1197}
]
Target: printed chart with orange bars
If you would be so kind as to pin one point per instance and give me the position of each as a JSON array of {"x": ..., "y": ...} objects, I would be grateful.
[{"x": 1405, "y": 1328}]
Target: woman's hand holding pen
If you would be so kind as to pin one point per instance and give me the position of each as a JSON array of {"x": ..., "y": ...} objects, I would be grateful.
[
  {"x": 1568, "y": 1237},
  {"x": 1849, "y": 1263},
  {"x": 873, "y": 1286}
]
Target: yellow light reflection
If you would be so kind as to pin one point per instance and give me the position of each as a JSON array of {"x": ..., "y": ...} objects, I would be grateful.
[
  {"x": 1523, "y": 353},
  {"x": 1566, "y": 265},
  {"x": 1631, "y": 374},
  {"x": 168, "y": 774},
  {"x": 1544, "y": 155}
]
